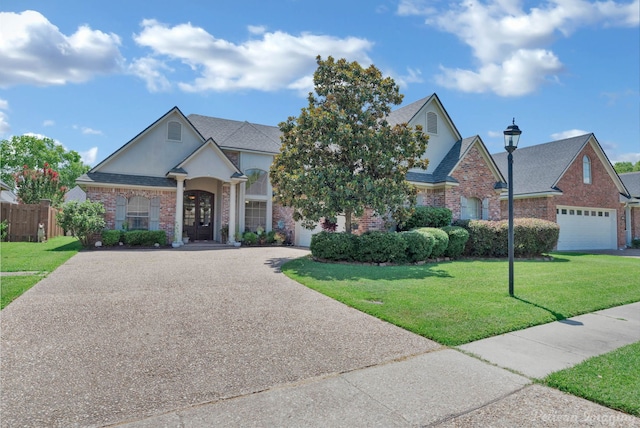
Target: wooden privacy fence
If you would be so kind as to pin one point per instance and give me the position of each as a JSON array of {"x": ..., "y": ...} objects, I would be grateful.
[{"x": 23, "y": 220}]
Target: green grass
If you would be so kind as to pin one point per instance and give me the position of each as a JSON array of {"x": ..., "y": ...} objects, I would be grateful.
[
  {"x": 41, "y": 258},
  {"x": 612, "y": 379},
  {"x": 462, "y": 301}
]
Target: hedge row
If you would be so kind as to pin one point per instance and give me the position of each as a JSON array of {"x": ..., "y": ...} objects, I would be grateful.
[
  {"x": 531, "y": 237},
  {"x": 388, "y": 247},
  {"x": 145, "y": 238}
]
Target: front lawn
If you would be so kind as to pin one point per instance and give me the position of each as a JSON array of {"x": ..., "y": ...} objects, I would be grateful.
[
  {"x": 462, "y": 301},
  {"x": 612, "y": 379},
  {"x": 40, "y": 258}
]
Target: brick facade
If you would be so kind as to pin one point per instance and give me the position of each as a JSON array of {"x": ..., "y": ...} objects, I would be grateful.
[
  {"x": 635, "y": 223},
  {"x": 600, "y": 193},
  {"x": 108, "y": 198},
  {"x": 283, "y": 216}
]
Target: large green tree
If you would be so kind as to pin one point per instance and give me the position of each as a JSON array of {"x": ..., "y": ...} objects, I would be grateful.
[
  {"x": 35, "y": 152},
  {"x": 622, "y": 167},
  {"x": 341, "y": 156}
]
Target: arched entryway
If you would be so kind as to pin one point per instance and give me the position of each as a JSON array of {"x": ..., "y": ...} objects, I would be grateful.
[{"x": 198, "y": 215}]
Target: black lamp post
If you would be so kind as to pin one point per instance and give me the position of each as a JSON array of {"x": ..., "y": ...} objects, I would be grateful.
[{"x": 511, "y": 137}]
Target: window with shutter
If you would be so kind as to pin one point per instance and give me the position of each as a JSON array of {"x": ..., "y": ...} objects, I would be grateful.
[
  {"x": 464, "y": 215},
  {"x": 174, "y": 131},
  {"x": 138, "y": 213},
  {"x": 485, "y": 209},
  {"x": 154, "y": 214},
  {"x": 121, "y": 210},
  {"x": 472, "y": 208}
]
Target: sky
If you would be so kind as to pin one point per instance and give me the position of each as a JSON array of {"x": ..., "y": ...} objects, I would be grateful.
[{"x": 92, "y": 75}]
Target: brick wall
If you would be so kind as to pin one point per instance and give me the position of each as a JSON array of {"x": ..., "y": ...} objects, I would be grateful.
[
  {"x": 601, "y": 193},
  {"x": 476, "y": 181},
  {"x": 234, "y": 157},
  {"x": 431, "y": 198},
  {"x": 108, "y": 199},
  {"x": 635, "y": 222},
  {"x": 368, "y": 222},
  {"x": 543, "y": 208}
]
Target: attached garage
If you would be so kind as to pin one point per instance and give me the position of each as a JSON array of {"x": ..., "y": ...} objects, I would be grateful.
[
  {"x": 303, "y": 235},
  {"x": 583, "y": 228}
]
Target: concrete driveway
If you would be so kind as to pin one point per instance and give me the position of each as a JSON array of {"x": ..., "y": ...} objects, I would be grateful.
[{"x": 116, "y": 336}]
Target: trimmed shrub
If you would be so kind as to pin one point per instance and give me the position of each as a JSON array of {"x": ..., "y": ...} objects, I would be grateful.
[
  {"x": 532, "y": 237},
  {"x": 381, "y": 247},
  {"x": 635, "y": 243},
  {"x": 145, "y": 238},
  {"x": 418, "y": 245},
  {"x": 428, "y": 217},
  {"x": 333, "y": 246},
  {"x": 441, "y": 240},
  {"x": 110, "y": 237},
  {"x": 250, "y": 238},
  {"x": 458, "y": 237}
]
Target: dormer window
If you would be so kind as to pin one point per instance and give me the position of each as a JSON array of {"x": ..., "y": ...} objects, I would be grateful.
[
  {"x": 174, "y": 131},
  {"x": 432, "y": 123},
  {"x": 586, "y": 169}
]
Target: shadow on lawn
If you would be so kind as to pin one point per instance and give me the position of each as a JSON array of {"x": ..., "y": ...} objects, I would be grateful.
[
  {"x": 557, "y": 315},
  {"x": 352, "y": 272},
  {"x": 71, "y": 246}
]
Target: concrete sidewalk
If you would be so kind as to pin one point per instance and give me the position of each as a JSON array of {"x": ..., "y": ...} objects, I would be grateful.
[
  {"x": 443, "y": 387},
  {"x": 538, "y": 351}
]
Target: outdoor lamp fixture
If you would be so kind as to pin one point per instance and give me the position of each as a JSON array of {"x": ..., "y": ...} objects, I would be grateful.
[{"x": 511, "y": 137}]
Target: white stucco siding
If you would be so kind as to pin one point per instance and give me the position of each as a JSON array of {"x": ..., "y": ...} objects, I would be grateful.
[
  {"x": 255, "y": 161},
  {"x": 440, "y": 143},
  {"x": 209, "y": 162},
  {"x": 152, "y": 153}
]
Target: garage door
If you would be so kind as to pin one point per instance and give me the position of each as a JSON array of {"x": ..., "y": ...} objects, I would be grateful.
[
  {"x": 303, "y": 236},
  {"x": 586, "y": 228}
]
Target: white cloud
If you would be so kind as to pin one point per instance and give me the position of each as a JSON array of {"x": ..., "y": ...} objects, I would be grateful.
[
  {"x": 568, "y": 134},
  {"x": 4, "y": 118},
  {"x": 33, "y": 51},
  {"x": 89, "y": 157},
  {"x": 509, "y": 43},
  {"x": 89, "y": 131},
  {"x": 495, "y": 134},
  {"x": 48, "y": 122},
  {"x": 276, "y": 60},
  {"x": 627, "y": 157},
  {"x": 257, "y": 29},
  {"x": 412, "y": 76}
]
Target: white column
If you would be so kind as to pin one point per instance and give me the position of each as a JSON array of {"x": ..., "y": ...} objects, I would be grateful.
[
  {"x": 232, "y": 212},
  {"x": 179, "y": 207}
]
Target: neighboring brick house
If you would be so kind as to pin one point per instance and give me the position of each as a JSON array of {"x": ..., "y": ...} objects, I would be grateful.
[
  {"x": 570, "y": 182},
  {"x": 631, "y": 205},
  {"x": 192, "y": 175}
]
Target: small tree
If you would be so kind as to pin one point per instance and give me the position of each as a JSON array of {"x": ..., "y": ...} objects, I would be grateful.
[
  {"x": 82, "y": 219},
  {"x": 36, "y": 184},
  {"x": 341, "y": 156},
  {"x": 622, "y": 167}
]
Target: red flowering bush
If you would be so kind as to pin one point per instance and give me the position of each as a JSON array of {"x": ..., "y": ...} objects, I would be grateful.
[{"x": 36, "y": 184}]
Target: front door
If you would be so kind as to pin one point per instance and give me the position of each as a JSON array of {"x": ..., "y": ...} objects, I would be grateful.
[{"x": 198, "y": 215}]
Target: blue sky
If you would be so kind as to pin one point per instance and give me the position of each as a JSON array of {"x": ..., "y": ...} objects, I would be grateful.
[{"x": 92, "y": 75}]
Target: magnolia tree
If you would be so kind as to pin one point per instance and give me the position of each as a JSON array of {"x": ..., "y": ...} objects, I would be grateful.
[
  {"x": 36, "y": 184},
  {"x": 341, "y": 156}
]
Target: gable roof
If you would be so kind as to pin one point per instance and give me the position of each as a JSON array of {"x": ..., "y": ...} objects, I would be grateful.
[
  {"x": 442, "y": 173},
  {"x": 232, "y": 169},
  {"x": 538, "y": 169},
  {"x": 233, "y": 134},
  {"x": 631, "y": 181},
  {"x": 408, "y": 112},
  {"x": 175, "y": 109}
]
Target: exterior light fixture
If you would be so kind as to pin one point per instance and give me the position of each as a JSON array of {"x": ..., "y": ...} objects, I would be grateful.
[{"x": 511, "y": 138}]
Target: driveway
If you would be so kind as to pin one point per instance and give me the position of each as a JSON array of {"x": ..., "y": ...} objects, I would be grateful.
[{"x": 115, "y": 336}]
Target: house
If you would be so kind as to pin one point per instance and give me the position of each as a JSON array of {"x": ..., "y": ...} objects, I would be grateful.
[
  {"x": 6, "y": 194},
  {"x": 193, "y": 175},
  {"x": 631, "y": 204},
  {"x": 571, "y": 182},
  {"x": 75, "y": 194}
]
